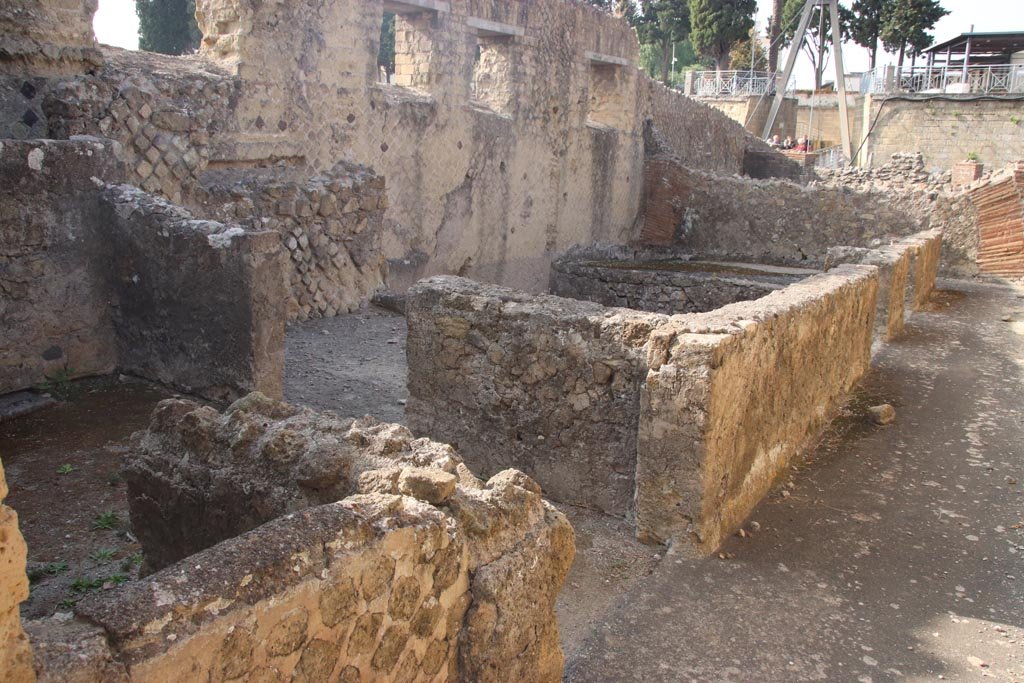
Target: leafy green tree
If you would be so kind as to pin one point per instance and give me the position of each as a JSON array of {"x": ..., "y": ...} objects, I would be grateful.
[
  {"x": 716, "y": 25},
  {"x": 906, "y": 23},
  {"x": 740, "y": 55},
  {"x": 774, "y": 33},
  {"x": 168, "y": 26},
  {"x": 866, "y": 25},
  {"x": 386, "y": 54},
  {"x": 661, "y": 23},
  {"x": 817, "y": 42}
]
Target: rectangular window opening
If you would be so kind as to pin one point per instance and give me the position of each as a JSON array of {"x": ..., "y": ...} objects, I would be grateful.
[
  {"x": 607, "y": 102},
  {"x": 491, "y": 86}
]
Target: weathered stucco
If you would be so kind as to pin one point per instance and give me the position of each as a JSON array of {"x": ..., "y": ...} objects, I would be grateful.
[
  {"x": 54, "y": 312},
  {"x": 200, "y": 304},
  {"x": 101, "y": 277}
]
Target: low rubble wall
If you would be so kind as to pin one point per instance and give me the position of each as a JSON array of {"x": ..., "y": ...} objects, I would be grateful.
[
  {"x": 710, "y": 446},
  {"x": 489, "y": 366},
  {"x": 665, "y": 285},
  {"x": 549, "y": 384},
  {"x": 762, "y": 221},
  {"x": 425, "y": 573}
]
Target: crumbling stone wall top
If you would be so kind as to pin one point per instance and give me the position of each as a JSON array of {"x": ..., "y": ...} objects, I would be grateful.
[
  {"x": 427, "y": 574},
  {"x": 49, "y": 35}
]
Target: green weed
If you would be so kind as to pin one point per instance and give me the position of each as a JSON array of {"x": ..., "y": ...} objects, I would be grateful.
[{"x": 106, "y": 520}]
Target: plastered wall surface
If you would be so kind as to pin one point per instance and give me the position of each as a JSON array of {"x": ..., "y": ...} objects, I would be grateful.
[
  {"x": 97, "y": 277},
  {"x": 427, "y": 574},
  {"x": 200, "y": 304},
  {"x": 54, "y": 307}
]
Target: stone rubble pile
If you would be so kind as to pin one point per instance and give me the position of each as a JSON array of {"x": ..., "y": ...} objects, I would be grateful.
[{"x": 905, "y": 170}]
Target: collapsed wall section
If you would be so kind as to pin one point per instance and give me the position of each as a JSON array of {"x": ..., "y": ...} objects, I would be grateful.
[{"x": 427, "y": 573}]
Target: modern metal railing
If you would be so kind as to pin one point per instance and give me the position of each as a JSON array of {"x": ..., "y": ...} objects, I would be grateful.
[
  {"x": 996, "y": 79},
  {"x": 733, "y": 83},
  {"x": 831, "y": 157}
]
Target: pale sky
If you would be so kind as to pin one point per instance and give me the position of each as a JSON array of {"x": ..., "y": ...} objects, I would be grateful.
[{"x": 117, "y": 24}]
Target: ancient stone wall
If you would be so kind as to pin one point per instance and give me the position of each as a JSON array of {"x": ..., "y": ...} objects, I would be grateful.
[
  {"x": 54, "y": 313},
  {"x": 15, "y": 653},
  {"x": 705, "y": 138},
  {"x": 47, "y": 35},
  {"x": 666, "y": 286},
  {"x": 427, "y": 574},
  {"x": 200, "y": 304},
  {"x": 763, "y": 221},
  {"x": 906, "y": 186},
  {"x": 709, "y": 445},
  {"x": 493, "y": 165},
  {"x": 894, "y": 264},
  {"x": 549, "y": 384},
  {"x": 946, "y": 129},
  {"x": 331, "y": 226},
  {"x": 493, "y": 366}
]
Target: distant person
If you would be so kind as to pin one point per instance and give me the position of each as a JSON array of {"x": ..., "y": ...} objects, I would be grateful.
[
  {"x": 801, "y": 145},
  {"x": 787, "y": 143},
  {"x": 773, "y": 141}
]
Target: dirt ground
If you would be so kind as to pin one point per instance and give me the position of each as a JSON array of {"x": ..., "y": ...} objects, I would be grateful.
[
  {"x": 62, "y": 466},
  {"x": 352, "y": 364}
]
